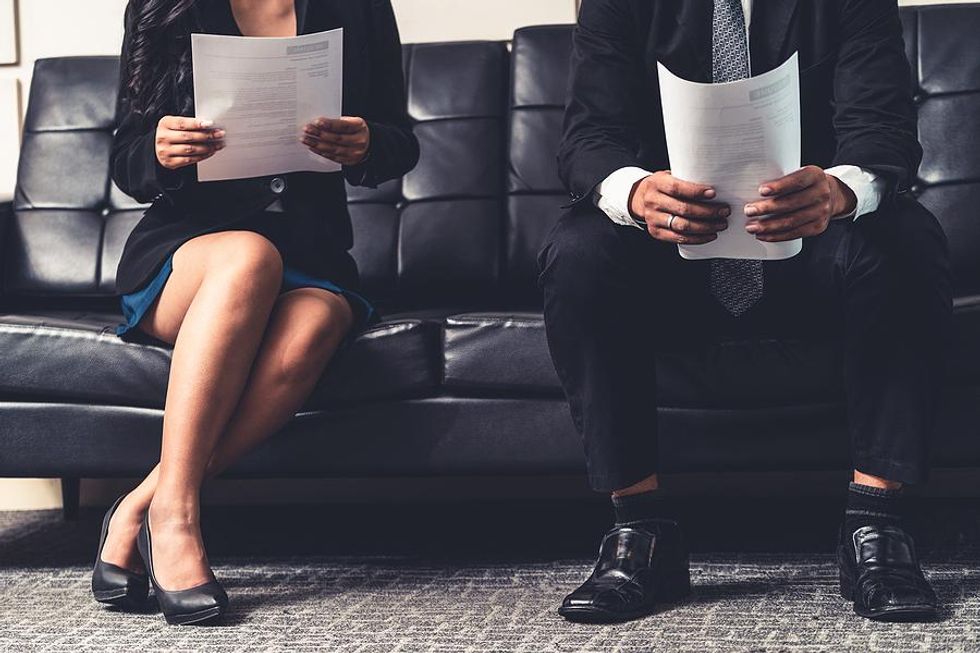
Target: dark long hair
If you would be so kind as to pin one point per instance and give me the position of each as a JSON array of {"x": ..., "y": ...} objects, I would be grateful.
[{"x": 159, "y": 57}]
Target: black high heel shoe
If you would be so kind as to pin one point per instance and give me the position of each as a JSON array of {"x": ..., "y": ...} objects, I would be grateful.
[
  {"x": 114, "y": 585},
  {"x": 196, "y": 605}
]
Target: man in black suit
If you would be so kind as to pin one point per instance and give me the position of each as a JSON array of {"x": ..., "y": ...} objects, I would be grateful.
[{"x": 873, "y": 273}]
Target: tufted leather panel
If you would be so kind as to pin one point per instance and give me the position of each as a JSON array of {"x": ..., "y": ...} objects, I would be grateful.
[
  {"x": 434, "y": 236},
  {"x": 63, "y": 236},
  {"x": 449, "y": 235},
  {"x": 83, "y": 360},
  {"x": 507, "y": 353},
  {"x": 535, "y": 193},
  {"x": 948, "y": 95}
]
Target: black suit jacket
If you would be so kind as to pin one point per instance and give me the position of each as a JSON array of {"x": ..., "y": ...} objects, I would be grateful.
[
  {"x": 316, "y": 234},
  {"x": 855, "y": 82}
]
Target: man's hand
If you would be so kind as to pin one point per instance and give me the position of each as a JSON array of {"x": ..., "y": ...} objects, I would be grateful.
[
  {"x": 182, "y": 141},
  {"x": 798, "y": 205},
  {"x": 696, "y": 220},
  {"x": 344, "y": 140}
]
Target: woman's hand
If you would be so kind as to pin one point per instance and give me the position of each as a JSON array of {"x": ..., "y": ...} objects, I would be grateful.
[
  {"x": 344, "y": 140},
  {"x": 182, "y": 141}
]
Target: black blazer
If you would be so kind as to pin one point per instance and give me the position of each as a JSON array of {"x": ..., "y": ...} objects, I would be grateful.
[
  {"x": 316, "y": 232},
  {"x": 855, "y": 82}
]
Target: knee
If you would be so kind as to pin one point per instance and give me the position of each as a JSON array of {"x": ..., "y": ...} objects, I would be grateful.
[
  {"x": 315, "y": 322},
  {"x": 579, "y": 251},
  {"x": 248, "y": 261},
  {"x": 910, "y": 247}
]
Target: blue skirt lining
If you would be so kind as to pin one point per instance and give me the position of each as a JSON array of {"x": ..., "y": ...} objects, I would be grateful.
[{"x": 137, "y": 303}]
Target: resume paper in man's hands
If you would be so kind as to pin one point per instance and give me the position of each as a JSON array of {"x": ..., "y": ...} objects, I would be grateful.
[
  {"x": 262, "y": 92},
  {"x": 734, "y": 136}
]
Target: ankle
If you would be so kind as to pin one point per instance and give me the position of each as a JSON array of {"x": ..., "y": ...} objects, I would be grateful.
[
  {"x": 176, "y": 510},
  {"x": 871, "y": 506}
]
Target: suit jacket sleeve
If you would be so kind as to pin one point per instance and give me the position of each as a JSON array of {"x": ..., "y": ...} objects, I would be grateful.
[
  {"x": 874, "y": 118},
  {"x": 394, "y": 149},
  {"x": 133, "y": 160},
  {"x": 601, "y": 127}
]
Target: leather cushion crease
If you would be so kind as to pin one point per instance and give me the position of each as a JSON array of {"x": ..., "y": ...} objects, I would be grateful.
[{"x": 457, "y": 378}]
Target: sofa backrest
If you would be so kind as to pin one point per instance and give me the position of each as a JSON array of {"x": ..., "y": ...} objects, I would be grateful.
[
  {"x": 946, "y": 86},
  {"x": 464, "y": 227}
]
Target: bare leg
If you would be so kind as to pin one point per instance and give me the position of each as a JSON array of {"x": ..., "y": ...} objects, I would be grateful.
[
  {"x": 306, "y": 327},
  {"x": 875, "y": 481},
  {"x": 649, "y": 484},
  {"x": 215, "y": 308}
]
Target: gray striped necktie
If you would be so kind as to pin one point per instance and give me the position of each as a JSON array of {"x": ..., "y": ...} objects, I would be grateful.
[{"x": 736, "y": 283}]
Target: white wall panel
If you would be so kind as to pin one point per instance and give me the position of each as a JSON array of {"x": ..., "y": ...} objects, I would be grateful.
[
  {"x": 9, "y": 134},
  {"x": 8, "y": 33}
]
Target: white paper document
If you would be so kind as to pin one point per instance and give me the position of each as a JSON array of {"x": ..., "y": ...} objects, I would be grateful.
[
  {"x": 734, "y": 136},
  {"x": 262, "y": 92}
]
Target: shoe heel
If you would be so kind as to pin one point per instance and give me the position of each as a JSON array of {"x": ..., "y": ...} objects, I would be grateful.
[{"x": 115, "y": 586}]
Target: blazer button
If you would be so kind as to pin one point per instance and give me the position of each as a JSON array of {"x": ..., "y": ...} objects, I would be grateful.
[{"x": 277, "y": 185}]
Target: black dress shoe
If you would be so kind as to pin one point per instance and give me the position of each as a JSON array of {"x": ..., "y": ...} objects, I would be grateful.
[
  {"x": 201, "y": 604},
  {"x": 639, "y": 566},
  {"x": 883, "y": 578},
  {"x": 114, "y": 585}
]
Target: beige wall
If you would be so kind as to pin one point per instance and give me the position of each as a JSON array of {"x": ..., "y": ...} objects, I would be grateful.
[{"x": 49, "y": 28}]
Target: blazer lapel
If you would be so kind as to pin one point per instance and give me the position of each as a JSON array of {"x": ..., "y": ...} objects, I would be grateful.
[
  {"x": 681, "y": 38},
  {"x": 302, "y": 8},
  {"x": 769, "y": 34}
]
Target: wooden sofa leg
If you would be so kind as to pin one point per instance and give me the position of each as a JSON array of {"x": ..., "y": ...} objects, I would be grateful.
[{"x": 70, "y": 496}]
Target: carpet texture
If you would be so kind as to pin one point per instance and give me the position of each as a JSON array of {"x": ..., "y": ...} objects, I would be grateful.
[{"x": 444, "y": 597}]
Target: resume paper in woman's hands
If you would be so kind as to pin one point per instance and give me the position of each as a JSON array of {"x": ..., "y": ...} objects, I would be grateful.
[
  {"x": 734, "y": 136},
  {"x": 262, "y": 92}
]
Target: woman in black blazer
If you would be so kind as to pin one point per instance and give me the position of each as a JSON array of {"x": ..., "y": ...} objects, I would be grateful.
[{"x": 250, "y": 280}]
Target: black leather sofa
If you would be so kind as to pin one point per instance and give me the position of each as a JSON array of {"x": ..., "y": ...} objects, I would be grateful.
[{"x": 457, "y": 380}]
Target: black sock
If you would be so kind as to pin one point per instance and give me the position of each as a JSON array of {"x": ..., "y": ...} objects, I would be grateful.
[
  {"x": 871, "y": 506},
  {"x": 642, "y": 506}
]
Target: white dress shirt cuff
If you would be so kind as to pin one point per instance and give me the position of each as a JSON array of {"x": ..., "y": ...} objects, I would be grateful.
[
  {"x": 613, "y": 194},
  {"x": 868, "y": 188}
]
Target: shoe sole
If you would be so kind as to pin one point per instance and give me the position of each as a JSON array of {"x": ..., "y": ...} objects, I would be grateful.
[
  {"x": 906, "y": 613},
  {"x": 120, "y": 598},
  {"x": 600, "y": 616},
  {"x": 922, "y": 612},
  {"x": 596, "y": 616},
  {"x": 200, "y": 617}
]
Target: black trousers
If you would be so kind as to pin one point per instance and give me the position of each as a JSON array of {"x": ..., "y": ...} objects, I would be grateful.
[{"x": 880, "y": 286}]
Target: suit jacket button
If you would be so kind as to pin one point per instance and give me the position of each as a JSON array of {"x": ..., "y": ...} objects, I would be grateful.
[{"x": 277, "y": 185}]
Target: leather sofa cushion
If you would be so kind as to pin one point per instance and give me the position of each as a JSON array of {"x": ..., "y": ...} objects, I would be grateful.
[
  {"x": 507, "y": 354},
  {"x": 75, "y": 356}
]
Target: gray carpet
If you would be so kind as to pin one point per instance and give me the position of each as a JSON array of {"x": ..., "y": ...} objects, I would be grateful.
[{"x": 435, "y": 595}]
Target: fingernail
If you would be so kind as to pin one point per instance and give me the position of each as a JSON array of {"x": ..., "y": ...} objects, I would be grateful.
[
  {"x": 219, "y": 133},
  {"x": 725, "y": 212},
  {"x": 207, "y": 123},
  {"x": 724, "y": 225},
  {"x": 709, "y": 193},
  {"x": 765, "y": 190},
  {"x": 751, "y": 227},
  {"x": 751, "y": 210}
]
